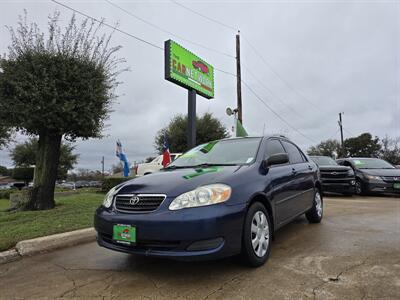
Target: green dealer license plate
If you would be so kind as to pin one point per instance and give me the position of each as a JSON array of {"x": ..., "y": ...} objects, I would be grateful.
[
  {"x": 124, "y": 234},
  {"x": 396, "y": 185}
]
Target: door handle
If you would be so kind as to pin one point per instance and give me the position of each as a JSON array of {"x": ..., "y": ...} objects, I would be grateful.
[
  {"x": 294, "y": 171},
  {"x": 309, "y": 167}
]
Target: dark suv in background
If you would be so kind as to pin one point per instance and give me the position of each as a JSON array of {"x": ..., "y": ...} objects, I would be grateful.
[
  {"x": 373, "y": 175},
  {"x": 335, "y": 178}
]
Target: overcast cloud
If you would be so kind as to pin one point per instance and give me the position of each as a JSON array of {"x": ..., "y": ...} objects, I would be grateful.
[{"x": 341, "y": 56}]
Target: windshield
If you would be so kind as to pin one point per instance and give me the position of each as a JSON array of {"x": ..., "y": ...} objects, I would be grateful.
[
  {"x": 371, "y": 163},
  {"x": 224, "y": 152},
  {"x": 323, "y": 161}
]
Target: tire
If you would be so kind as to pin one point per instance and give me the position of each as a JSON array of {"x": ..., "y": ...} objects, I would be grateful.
[
  {"x": 358, "y": 188},
  {"x": 257, "y": 228},
  {"x": 314, "y": 215}
]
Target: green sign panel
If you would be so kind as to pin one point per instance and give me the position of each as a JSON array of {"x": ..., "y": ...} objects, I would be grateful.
[{"x": 188, "y": 70}]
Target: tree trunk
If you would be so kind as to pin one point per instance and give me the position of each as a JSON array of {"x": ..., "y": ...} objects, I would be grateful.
[{"x": 48, "y": 156}]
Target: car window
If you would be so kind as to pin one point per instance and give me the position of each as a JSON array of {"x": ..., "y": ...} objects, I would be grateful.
[
  {"x": 273, "y": 147},
  {"x": 346, "y": 163},
  {"x": 295, "y": 156},
  {"x": 230, "y": 151}
]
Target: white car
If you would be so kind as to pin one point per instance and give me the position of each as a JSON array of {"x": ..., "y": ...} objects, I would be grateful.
[{"x": 154, "y": 166}]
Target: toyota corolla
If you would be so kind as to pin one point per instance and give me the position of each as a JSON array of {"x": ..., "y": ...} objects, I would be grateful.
[{"x": 219, "y": 199}]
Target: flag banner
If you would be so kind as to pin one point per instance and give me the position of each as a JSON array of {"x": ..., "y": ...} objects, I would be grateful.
[
  {"x": 240, "y": 131},
  {"x": 166, "y": 155},
  {"x": 122, "y": 157}
]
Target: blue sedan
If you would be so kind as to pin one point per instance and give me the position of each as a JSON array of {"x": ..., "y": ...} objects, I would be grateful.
[{"x": 220, "y": 199}]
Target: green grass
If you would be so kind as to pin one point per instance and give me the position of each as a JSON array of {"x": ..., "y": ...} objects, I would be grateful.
[{"x": 71, "y": 213}]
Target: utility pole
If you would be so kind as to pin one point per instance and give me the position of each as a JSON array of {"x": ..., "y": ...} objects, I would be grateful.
[
  {"x": 341, "y": 128},
  {"x": 102, "y": 166},
  {"x": 238, "y": 79}
]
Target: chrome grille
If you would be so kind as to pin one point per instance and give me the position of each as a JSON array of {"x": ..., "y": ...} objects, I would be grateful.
[
  {"x": 135, "y": 203},
  {"x": 391, "y": 178},
  {"x": 334, "y": 173}
]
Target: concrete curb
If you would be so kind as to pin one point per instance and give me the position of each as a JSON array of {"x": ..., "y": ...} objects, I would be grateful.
[
  {"x": 51, "y": 242},
  {"x": 9, "y": 256},
  {"x": 48, "y": 243}
]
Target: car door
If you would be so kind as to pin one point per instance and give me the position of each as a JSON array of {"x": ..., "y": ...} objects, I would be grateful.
[
  {"x": 303, "y": 181},
  {"x": 279, "y": 182}
]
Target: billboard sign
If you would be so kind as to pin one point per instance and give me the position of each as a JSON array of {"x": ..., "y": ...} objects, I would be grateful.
[{"x": 188, "y": 70}]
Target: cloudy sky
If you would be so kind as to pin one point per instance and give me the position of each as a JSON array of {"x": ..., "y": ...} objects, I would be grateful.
[{"x": 313, "y": 60}]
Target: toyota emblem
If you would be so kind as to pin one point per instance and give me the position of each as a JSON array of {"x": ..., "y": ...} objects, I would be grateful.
[
  {"x": 134, "y": 200},
  {"x": 334, "y": 173}
]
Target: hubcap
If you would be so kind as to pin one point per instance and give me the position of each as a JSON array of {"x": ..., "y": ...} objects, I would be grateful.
[
  {"x": 259, "y": 233},
  {"x": 358, "y": 187},
  {"x": 318, "y": 204}
]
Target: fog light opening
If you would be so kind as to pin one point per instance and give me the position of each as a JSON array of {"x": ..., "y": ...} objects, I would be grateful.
[{"x": 205, "y": 244}]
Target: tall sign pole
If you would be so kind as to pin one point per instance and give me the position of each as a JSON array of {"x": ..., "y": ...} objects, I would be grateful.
[
  {"x": 238, "y": 79},
  {"x": 189, "y": 71},
  {"x": 191, "y": 138}
]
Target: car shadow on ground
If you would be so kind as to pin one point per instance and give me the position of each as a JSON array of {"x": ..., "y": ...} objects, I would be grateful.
[{"x": 175, "y": 270}]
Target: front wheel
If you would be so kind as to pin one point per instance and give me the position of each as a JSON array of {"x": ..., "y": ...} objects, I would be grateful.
[
  {"x": 257, "y": 235},
  {"x": 314, "y": 215},
  {"x": 359, "y": 187}
]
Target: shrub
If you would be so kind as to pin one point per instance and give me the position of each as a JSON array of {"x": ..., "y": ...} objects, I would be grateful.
[
  {"x": 5, "y": 194},
  {"x": 109, "y": 182},
  {"x": 25, "y": 174}
]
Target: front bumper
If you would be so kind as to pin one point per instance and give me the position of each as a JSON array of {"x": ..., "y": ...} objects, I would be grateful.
[
  {"x": 344, "y": 186},
  {"x": 380, "y": 187},
  {"x": 208, "y": 232}
]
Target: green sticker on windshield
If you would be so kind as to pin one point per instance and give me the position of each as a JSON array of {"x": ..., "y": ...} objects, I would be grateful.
[
  {"x": 202, "y": 171},
  {"x": 207, "y": 148},
  {"x": 358, "y": 162}
]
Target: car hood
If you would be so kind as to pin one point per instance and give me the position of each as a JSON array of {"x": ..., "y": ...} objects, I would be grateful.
[
  {"x": 381, "y": 172},
  {"x": 178, "y": 181},
  {"x": 334, "y": 168}
]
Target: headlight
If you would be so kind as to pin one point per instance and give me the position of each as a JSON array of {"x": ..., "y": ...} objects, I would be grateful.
[
  {"x": 202, "y": 196},
  {"x": 373, "y": 177},
  {"x": 108, "y": 199}
]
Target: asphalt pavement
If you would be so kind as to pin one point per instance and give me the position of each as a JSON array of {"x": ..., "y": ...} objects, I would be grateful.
[{"x": 353, "y": 254}]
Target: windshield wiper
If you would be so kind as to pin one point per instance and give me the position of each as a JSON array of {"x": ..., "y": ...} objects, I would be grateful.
[
  {"x": 205, "y": 165},
  {"x": 173, "y": 167}
]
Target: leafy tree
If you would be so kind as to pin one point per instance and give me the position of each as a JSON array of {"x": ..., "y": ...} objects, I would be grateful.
[
  {"x": 362, "y": 146},
  {"x": 55, "y": 85},
  {"x": 24, "y": 155},
  {"x": 85, "y": 174},
  {"x": 326, "y": 148},
  {"x": 390, "y": 150},
  {"x": 149, "y": 159},
  {"x": 5, "y": 134},
  {"x": 4, "y": 171},
  {"x": 208, "y": 128},
  {"x": 25, "y": 174}
]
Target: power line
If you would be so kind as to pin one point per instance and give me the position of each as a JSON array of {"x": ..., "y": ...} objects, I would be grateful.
[
  {"x": 204, "y": 16},
  {"x": 279, "y": 76},
  {"x": 158, "y": 47},
  {"x": 269, "y": 66},
  {"x": 271, "y": 92},
  {"x": 276, "y": 114},
  {"x": 108, "y": 25},
  {"x": 167, "y": 31}
]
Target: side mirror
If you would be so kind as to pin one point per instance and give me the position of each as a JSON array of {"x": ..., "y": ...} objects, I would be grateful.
[{"x": 277, "y": 159}]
